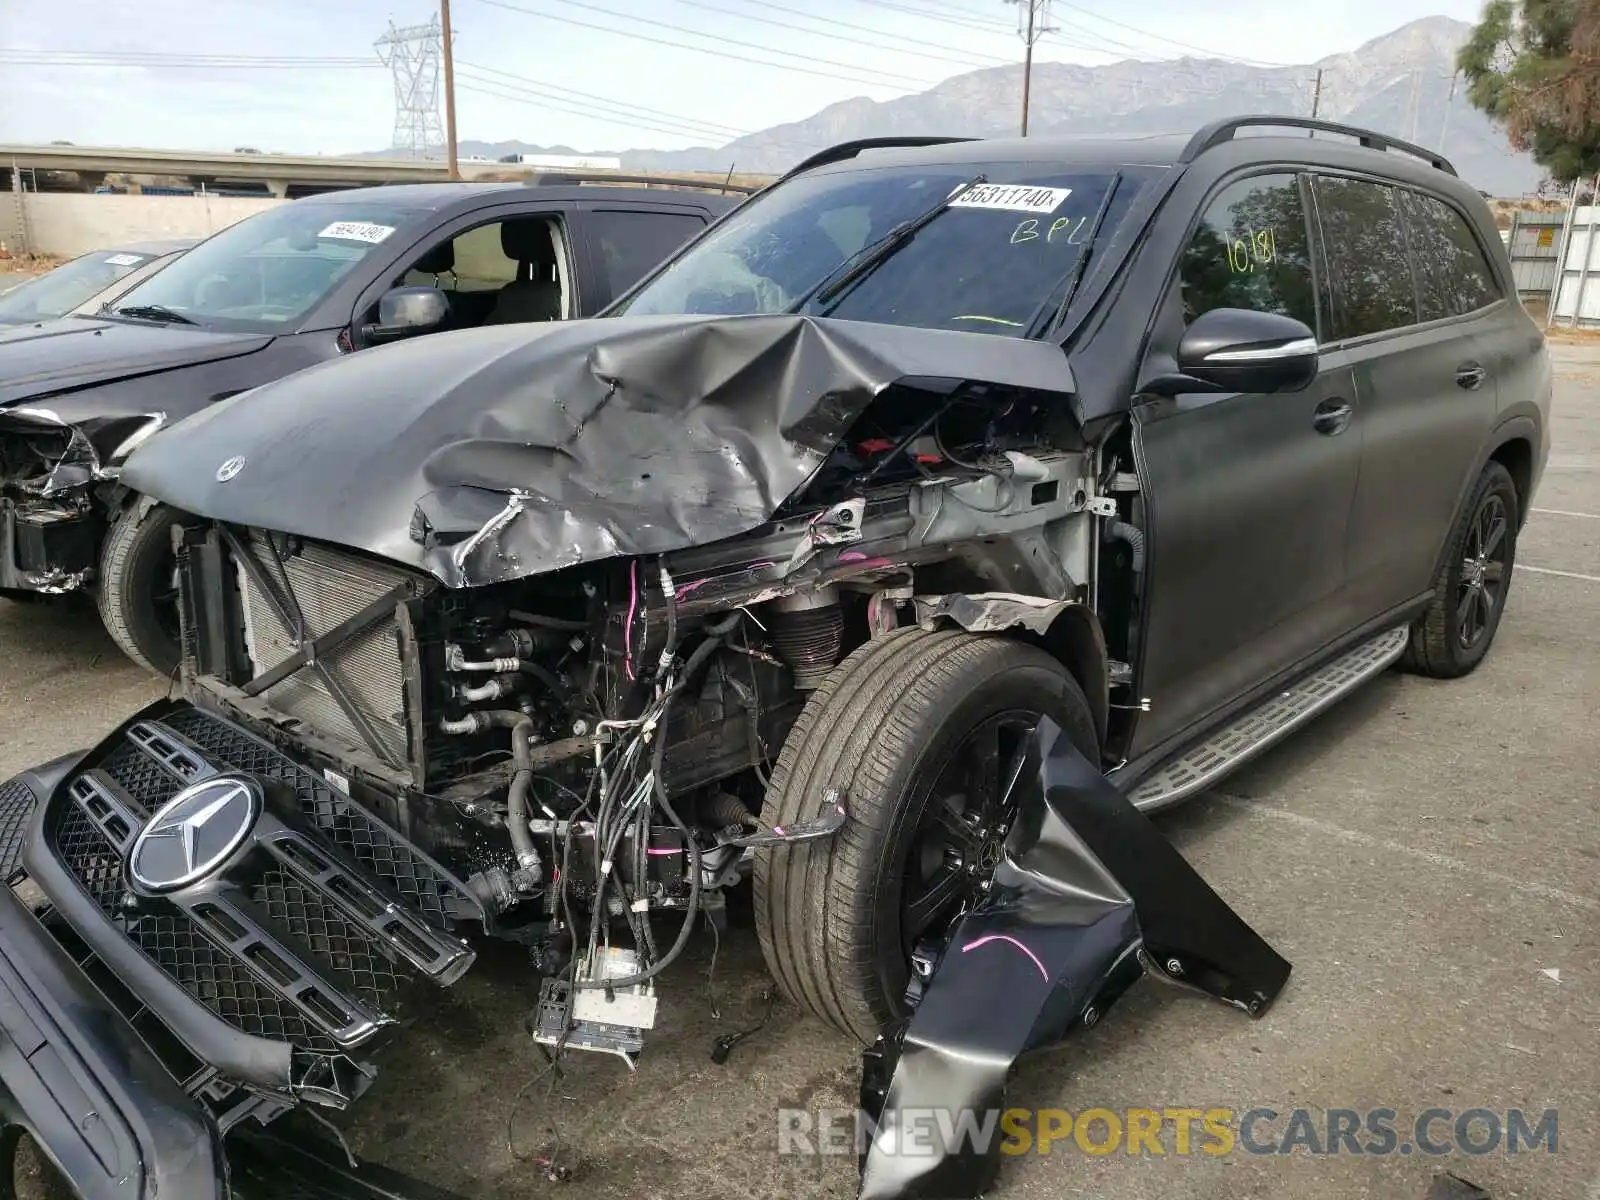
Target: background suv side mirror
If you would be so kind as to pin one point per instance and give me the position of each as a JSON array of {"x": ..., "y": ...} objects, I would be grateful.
[
  {"x": 1240, "y": 350},
  {"x": 404, "y": 311}
]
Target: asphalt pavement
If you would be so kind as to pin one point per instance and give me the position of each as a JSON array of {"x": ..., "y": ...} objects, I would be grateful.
[{"x": 1427, "y": 855}]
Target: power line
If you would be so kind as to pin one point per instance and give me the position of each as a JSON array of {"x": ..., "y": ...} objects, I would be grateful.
[
  {"x": 1171, "y": 41},
  {"x": 511, "y": 79},
  {"x": 921, "y": 84},
  {"x": 154, "y": 58},
  {"x": 985, "y": 26},
  {"x": 660, "y": 122},
  {"x": 543, "y": 103},
  {"x": 899, "y": 37},
  {"x": 465, "y": 83},
  {"x": 838, "y": 37}
]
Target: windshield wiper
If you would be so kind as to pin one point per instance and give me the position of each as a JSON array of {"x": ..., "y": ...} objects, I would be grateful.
[
  {"x": 1054, "y": 306},
  {"x": 833, "y": 285},
  {"x": 154, "y": 312}
]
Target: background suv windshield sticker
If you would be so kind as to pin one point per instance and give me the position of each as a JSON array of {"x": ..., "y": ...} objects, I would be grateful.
[
  {"x": 1017, "y": 197},
  {"x": 357, "y": 231}
]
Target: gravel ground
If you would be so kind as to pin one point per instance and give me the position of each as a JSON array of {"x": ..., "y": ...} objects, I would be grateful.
[{"x": 1425, "y": 854}]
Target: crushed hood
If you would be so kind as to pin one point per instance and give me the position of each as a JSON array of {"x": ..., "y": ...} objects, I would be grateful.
[
  {"x": 498, "y": 453},
  {"x": 80, "y": 352}
]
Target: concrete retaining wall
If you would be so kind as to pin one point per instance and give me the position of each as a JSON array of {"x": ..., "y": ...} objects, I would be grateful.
[{"x": 68, "y": 224}]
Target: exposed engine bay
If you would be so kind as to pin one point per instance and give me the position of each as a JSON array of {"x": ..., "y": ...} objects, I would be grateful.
[{"x": 587, "y": 750}]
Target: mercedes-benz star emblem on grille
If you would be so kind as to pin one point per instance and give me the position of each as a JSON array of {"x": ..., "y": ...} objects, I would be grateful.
[
  {"x": 194, "y": 833},
  {"x": 230, "y": 468}
]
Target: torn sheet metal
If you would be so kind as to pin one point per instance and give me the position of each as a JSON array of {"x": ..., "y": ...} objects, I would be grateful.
[
  {"x": 1088, "y": 895},
  {"x": 991, "y": 612},
  {"x": 622, "y": 436}
]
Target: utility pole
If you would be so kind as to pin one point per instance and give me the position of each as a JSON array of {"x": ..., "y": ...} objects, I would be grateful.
[
  {"x": 1414, "y": 105},
  {"x": 1316, "y": 97},
  {"x": 449, "y": 92},
  {"x": 1033, "y": 22},
  {"x": 1449, "y": 103}
]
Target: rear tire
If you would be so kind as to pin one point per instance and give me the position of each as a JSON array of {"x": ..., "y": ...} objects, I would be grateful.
[
  {"x": 1469, "y": 594},
  {"x": 891, "y": 727},
  {"x": 137, "y": 593}
]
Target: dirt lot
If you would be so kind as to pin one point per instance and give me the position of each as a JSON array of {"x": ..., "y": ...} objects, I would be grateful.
[{"x": 1427, "y": 855}]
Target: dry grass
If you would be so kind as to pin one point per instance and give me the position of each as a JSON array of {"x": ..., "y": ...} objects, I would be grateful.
[{"x": 29, "y": 264}]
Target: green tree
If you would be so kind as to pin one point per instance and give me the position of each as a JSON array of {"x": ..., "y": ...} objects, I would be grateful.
[{"x": 1534, "y": 66}]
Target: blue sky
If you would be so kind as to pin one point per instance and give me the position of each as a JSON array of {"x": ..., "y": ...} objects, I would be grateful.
[{"x": 668, "y": 96}]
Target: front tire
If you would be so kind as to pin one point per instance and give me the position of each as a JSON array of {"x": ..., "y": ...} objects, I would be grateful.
[
  {"x": 1469, "y": 595},
  {"x": 918, "y": 730},
  {"x": 138, "y": 593}
]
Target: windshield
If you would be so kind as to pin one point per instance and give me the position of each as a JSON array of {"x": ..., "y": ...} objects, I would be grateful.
[
  {"x": 985, "y": 263},
  {"x": 267, "y": 271},
  {"x": 58, "y": 292}
]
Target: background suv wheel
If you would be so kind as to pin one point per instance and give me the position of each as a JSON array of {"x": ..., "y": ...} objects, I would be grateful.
[{"x": 138, "y": 591}]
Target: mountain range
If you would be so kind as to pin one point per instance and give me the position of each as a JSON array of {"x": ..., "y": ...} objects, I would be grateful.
[{"x": 1402, "y": 84}]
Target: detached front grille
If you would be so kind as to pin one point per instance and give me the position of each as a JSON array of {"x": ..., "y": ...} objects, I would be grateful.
[
  {"x": 313, "y": 939},
  {"x": 16, "y": 806},
  {"x": 329, "y": 586}
]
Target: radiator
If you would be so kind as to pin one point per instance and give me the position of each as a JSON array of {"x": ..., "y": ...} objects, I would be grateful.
[{"x": 331, "y": 586}]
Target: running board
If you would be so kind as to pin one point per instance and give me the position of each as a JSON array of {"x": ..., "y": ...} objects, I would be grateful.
[{"x": 1202, "y": 764}]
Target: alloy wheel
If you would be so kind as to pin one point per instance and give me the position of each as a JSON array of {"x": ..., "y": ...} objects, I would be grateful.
[{"x": 1483, "y": 571}]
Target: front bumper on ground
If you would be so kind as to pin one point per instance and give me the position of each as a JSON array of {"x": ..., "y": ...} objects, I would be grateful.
[
  {"x": 73, "y": 1072},
  {"x": 143, "y": 1049}
]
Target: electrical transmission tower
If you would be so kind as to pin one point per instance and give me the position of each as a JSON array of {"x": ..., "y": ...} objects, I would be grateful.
[
  {"x": 413, "y": 53},
  {"x": 1033, "y": 22}
]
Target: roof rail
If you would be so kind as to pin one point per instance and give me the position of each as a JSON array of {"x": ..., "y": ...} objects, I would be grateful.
[
  {"x": 552, "y": 178},
  {"x": 1224, "y": 130},
  {"x": 846, "y": 150}
]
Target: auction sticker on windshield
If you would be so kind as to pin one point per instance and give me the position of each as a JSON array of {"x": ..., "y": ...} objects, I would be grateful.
[
  {"x": 1015, "y": 197},
  {"x": 124, "y": 260},
  {"x": 357, "y": 231}
]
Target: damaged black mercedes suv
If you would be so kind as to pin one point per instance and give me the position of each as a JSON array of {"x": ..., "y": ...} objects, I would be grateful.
[{"x": 897, "y": 545}]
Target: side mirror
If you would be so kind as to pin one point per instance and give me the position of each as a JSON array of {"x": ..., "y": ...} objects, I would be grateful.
[
  {"x": 405, "y": 311},
  {"x": 1241, "y": 350}
]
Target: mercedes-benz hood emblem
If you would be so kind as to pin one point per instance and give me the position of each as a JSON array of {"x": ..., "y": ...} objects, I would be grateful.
[
  {"x": 230, "y": 468},
  {"x": 194, "y": 833}
]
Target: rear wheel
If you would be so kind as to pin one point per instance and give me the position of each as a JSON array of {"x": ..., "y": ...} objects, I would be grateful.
[
  {"x": 924, "y": 733},
  {"x": 138, "y": 590},
  {"x": 1469, "y": 594}
]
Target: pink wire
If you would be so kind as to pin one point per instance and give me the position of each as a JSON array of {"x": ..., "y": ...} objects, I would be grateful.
[
  {"x": 1006, "y": 937},
  {"x": 627, "y": 630}
]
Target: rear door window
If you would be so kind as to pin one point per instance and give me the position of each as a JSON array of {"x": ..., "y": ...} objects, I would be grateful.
[
  {"x": 1251, "y": 251},
  {"x": 1368, "y": 266},
  {"x": 1453, "y": 276},
  {"x": 628, "y": 243}
]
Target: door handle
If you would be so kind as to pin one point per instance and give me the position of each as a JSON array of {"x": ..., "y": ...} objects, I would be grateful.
[
  {"x": 1470, "y": 376},
  {"x": 1331, "y": 417}
]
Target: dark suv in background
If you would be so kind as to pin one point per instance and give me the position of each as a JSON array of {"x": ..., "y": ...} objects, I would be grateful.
[
  {"x": 301, "y": 283},
  {"x": 773, "y": 574}
]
